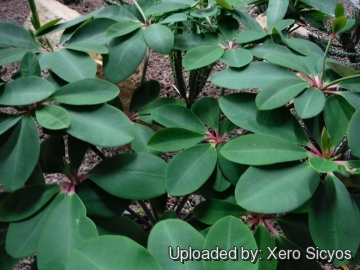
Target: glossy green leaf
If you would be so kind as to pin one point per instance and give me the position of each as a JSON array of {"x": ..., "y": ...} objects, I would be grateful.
[
  {"x": 351, "y": 97},
  {"x": 242, "y": 111},
  {"x": 72, "y": 66},
  {"x": 207, "y": 110},
  {"x": 338, "y": 24},
  {"x": 53, "y": 117},
  {"x": 224, "y": 4},
  {"x": 236, "y": 57},
  {"x": 178, "y": 116},
  {"x": 203, "y": 13},
  {"x": 209, "y": 212},
  {"x": 122, "y": 28},
  {"x": 202, "y": 56},
  {"x": 48, "y": 25},
  {"x": 232, "y": 235},
  {"x": 16, "y": 36},
  {"x": 334, "y": 206},
  {"x": 130, "y": 255},
  {"x": 283, "y": 24},
  {"x": 87, "y": 46},
  {"x": 248, "y": 77},
  {"x": 276, "y": 11},
  {"x": 177, "y": 17},
  {"x": 302, "y": 263},
  {"x": 19, "y": 148},
  {"x": 172, "y": 139},
  {"x": 55, "y": 246},
  {"x": 353, "y": 134},
  {"x": 340, "y": 69},
  {"x": 322, "y": 165},
  {"x": 118, "y": 13},
  {"x": 159, "y": 38},
  {"x": 122, "y": 225},
  {"x": 262, "y": 149},
  {"x": 144, "y": 94},
  {"x": 339, "y": 10},
  {"x": 29, "y": 65},
  {"x": 351, "y": 84},
  {"x": 135, "y": 176},
  {"x": 246, "y": 19},
  {"x": 113, "y": 127},
  {"x": 99, "y": 203},
  {"x": 221, "y": 183},
  {"x": 265, "y": 242},
  {"x": 279, "y": 93},
  {"x": 287, "y": 60},
  {"x": 26, "y": 201},
  {"x": 23, "y": 236},
  {"x": 86, "y": 92},
  {"x": 259, "y": 187},
  {"x": 310, "y": 103},
  {"x": 142, "y": 136},
  {"x": 178, "y": 234},
  {"x": 228, "y": 26},
  {"x": 298, "y": 45},
  {"x": 26, "y": 91},
  {"x": 7, "y": 121},
  {"x": 189, "y": 169},
  {"x": 250, "y": 35},
  {"x": 165, "y": 8},
  {"x": 337, "y": 116},
  {"x": 148, "y": 108},
  {"x": 123, "y": 53},
  {"x": 11, "y": 55},
  {"x": 187, "y": 41}
]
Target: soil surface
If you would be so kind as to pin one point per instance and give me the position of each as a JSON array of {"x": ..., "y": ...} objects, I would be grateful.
[{"x": 17, "y": 11}]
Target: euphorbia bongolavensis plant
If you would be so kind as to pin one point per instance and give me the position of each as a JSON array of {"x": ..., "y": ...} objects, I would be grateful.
[{"x": 294, "y": 164}]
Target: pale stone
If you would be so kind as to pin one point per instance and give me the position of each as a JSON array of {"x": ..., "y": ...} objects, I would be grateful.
[
  {"x": 299, "y": 32},
  {"x": 50, "y": 10}
]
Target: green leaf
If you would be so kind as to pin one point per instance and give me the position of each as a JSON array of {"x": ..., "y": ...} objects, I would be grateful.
[
  {"x": 29, "y": 65},
  {"x": 189, "y": 170},
  {"x": 165, "y": 8},
  {"x": 26, "y": 91},
  {"x": 52, "y": 154},
  {"x": 159, "y": 38},
  {"x": 203, "y": 13},
  {"x": 19, "y": 148},
  {"x": 228, "y": 26},
  {"x": 287, "y": 60},
  {"x": 53, "y": 117},
  {"x": 298, "y": 45},
  {"x": 76, "y": 151},
  {"x": 246, "y": 19},
  {"x": 178, "y": 235},
  {"x": 144, "y": 94},
  {"x": 16, "y": 36},
  {"x": 178, "y": 116},
  {"x": 148, "y": 108},
  {"x": 276, "y": 11},
  {"x": 87, "y": 47},
  {"x": 177, "y": 17},
  {"x": 123, "y": 53},
  {"x": 353, "y": 134},
  {"x": 262, "y": 149},
  {"x": 23, "y": 236},
  {"x": 72, "y": 66},
  {"x": 237, "y": 57},
  {"x": 7, "y": 121},
  {"x": 259, "y": 187},
  {"x": 209, "y": 212},
  {"x": 48, "y": 25},
  {"x": 334, "y": 206},
  {"x": 122, "y": 28},
  {"x": 113, "y": 127},
  {"x": 135, "y": 176},
  {"x": 351, "y": 84},
  {"x": 122, "y": 225},
  {"x": 221, "y": 183},
  {"x": 142, "y": 136},
  {"x": 279, "y": 93},
  {"x": 249, "y": 77},
  {"x": 338, "y": 24},
  {"x": 242, "y": 111},
  {"x": 322, "y": 165},
  {"x": 351, "y": 97},
  {"x": 310, "y": 103},
  {"x": 232, "y": 235},
  {"x": 327, "y": 7},
  {"x": 172, "y": 139},
  {"x": 99, "y": 203},
  {"x": 340, "y": 69},
  {"x": 265, "y": 242},
  {"x": 207, "y": 110},
  {"x": 224, "y": 4},
  {"x": 202, "y": 56},
  {"x": 250, "y": 35},
  {"x": 337, "y": 116},
  {"x": 26, "y": 201},
  {"x": 187, "y": 41},
  {"x": 86, "y": 92},
  {"x": 132, "y": 256},
  {"x": 11, "y": 55},
  {"x": 55, "y": 246},
  {"x": 339, "y": 10}
]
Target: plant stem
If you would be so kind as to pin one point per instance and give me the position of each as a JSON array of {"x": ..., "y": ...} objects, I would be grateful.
[
  {"x": 147, "y": 211},
  {"x": 146, "y": 63},
  {"x": 143, "y": 221},
  {"x": 323, "y": 62},
  {"x": 270, "y": 227},
  {"x": 181, "y": 204},
  {"x": 140, "y": 10},
  {"x": 97, "y": 151},
  {"x": 340, "y": 80}
]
